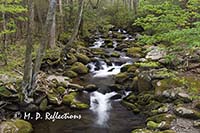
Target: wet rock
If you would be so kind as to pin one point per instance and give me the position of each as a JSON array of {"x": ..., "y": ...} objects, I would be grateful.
[
  {"x": 61, "y": 90},
  {"x": 70, "y": 74},
  {"x": 125, "y": 68},
  {"x": 43, "y": 105},
  {"x": 121, "y": 77},
  {"x": 31, "y": 108},
  {"x": 115, "y": 54},
  {"x": 83, "y": 58},
  {"x": 160, "y": 110},
  {"x": 131, "y": 106},
  {"x": 91, "y": 88},
  {"x": 70, "y": 99},
  {"x": 115, "y": 97},
  {"x": 79, "y": 68},
  {"x": 142, "y": 131},
  {"x": 75, "y": 86},
  {"x": 134, "y": 51},
  {"x": 116, "y": 87},
  {"x": 15, "y": 126},
  {"x": 155, "y": 53},
  {"x": 120, "y": 47},
  {"x": 12, "y": 107},
  {"x": 187, "y": 113}
]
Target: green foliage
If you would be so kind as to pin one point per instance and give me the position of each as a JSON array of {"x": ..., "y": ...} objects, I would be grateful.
[{"x": 166, "y": 21}]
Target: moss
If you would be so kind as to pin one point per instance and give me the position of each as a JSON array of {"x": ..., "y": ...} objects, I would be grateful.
[
  {"x": 61, "y": 90},
  {"x": 82, "y": 58},
  {"x": 115, "y": 54},
  {"x": 142, "y": 131},
  {"x": 79, "y": 68},
  {"x": 43, "y": 105},
  {"x": 4, "y": 92},
  {"x": 79, "y": 105},
  {"x": 68, "y": 99},
  {"x": 148, "y": 64},
  {"x": 162, "y": 125},
  {"x": 16, "y": 126},
  {"x": 53, "y": 98},
  {"x": 152, "y": 125},
  {"x": 134, "y": 51},
  {"x": 162, "y": 117},
  {"x": 71, "y": 58},
  {"x": 121, "y": 77},
  {"x": 131, "y": 106},
  {"x": 70, "y": 74}
]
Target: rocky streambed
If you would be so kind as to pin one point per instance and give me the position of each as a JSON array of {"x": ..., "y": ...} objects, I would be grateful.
[{"x": 111, "y": 84}]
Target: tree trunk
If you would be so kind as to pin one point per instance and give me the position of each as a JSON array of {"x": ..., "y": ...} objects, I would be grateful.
[
  {"x": 5, "y": 37},
  {"x": 27, "y": 78},
  {"x": 135, "y": 6},
  {"x": 76, "y": 26},
  {"x": 52, "y": 39},
  {"x": 44, "y": 41}
]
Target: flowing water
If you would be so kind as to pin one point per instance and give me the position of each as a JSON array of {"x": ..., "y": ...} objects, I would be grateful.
[{"x": 106, "y": 115}]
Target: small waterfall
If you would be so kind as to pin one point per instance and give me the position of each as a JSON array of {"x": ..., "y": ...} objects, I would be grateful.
[{"x": 100, "y": 104}]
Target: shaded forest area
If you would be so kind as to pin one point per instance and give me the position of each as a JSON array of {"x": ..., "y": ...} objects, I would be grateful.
[{"x": 141, "y": 57}]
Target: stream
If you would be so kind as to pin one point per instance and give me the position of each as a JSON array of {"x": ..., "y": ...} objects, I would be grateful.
[{"x": 106, "y": 114}]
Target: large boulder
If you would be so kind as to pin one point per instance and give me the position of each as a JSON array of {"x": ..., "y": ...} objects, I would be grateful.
[
  {"x": 155, "y": 53},
  {"x": 187, "y": 112},
  {"x": 134, "y": 51},
  {"x": 83, "y": 58},
  {"x": 70, "y": 59},
  {"x": 79, "y": 68},
  {"x": 15, "y": 126}
]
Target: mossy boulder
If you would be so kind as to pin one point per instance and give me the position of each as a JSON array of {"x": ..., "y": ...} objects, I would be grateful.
[
  {"x": 91, "y": 88},
  {"x": 161, "y": 126},
  {"x": 121, "y": 77},
  {"x": 82, "y": 58},
  {"x": 144, "y": 82},
  {"x": 115, "y": 54},
  {"x": 54, "y": 98},
  {"x": 70, "y": 59},
  {"x": 79, "y": 68},
  {"x": 142, "y": 131},
  {"x": 16, "y": 126},
  {"x": 131, "y": 106},
  {"x": 43, "y": 105},
  {"x": 134, "y": 51},
  {"x": 187, "y": 112},
  {"x": 70, "y": 99},
  {"x": 61, "y": 90},
  {"x": 148, "y": 65},
  {"x": 70, "y": 74},
  {"x": 168, "y": 118}
]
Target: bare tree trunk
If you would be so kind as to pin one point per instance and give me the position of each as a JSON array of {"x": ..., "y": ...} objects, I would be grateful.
[
  {"x": 27, "y": 78},
  {"x": 52, "y": 39},
  {"x": 135, "y": 6},
  {"x": 77, "y": 25},
  {"x": 5, "y": 38},
  {"x": 44, "y": 41}
]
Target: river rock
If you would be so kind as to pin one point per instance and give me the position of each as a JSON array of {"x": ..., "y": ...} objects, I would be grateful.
[
  {"x": 187, "y": 112},
  {"x": 91, "y": 88},
  {"x": 15, "y": 126},
  {"x": 70, "y": 59},
  {"x": 161, "y": 126},
  {"x": 43, "y": 105},
  {"x": 79, "y": 68},
  {"x": 82, "y": 58},
  {"x": 144, "y": 82},
  {"x": 196, "y": 123},
  {"x": 134, "y": 51},
  {"x": 155, "y": 53},
  {"x": 121, "y": 77},
  {"x": 70, "y": 74}
]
